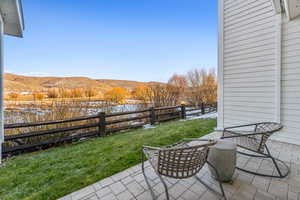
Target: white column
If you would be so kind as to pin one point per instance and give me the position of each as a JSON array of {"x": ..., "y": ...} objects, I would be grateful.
[
  {"x": 220, "y": 121},
  {"x": 1, "y": 88}
]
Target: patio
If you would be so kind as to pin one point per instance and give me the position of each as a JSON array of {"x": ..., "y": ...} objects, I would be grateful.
[{"x": 130, "y": 184}]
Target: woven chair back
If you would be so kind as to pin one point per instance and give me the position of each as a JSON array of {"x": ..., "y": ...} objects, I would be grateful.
[
  {"x": 268, "y": 128},
  {"x": 182, "y": 163}
]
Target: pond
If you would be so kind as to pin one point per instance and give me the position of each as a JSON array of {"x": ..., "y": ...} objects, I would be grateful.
[{"x": 22, "y": 113}]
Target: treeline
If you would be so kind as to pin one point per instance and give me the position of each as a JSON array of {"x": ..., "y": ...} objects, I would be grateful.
[
  {"x": 53, "y": 93},
  {"x": 195, "y": 87},
  {"x": 71, "y": 93}
]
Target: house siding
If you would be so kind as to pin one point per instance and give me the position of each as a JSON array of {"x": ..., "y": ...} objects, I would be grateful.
[
  {"x": 249, "y": 60},
  {"x": 290, "y": 81}
]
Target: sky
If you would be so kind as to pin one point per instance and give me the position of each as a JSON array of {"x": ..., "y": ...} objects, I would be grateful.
[{"x": 142, "y": 40}]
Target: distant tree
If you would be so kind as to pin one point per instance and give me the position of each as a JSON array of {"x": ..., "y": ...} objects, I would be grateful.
[
  {"x": 163, "y": 95},
  {"x": 142, "y": 93},
  {"x": 211, "y": 86},
  {"x": 53, "y": 93},
  {"x": 202, "y": 86},
  {"x": 38, "y": 96},
  {"x": 13, "y": 96},
  {"x": 65, "y": 93},
  {"x": 90, "y": 93},
  {"x": 178, "y": 81},
  {"x": 77, "y": 92},
  {"x": 116, "y": 95}
]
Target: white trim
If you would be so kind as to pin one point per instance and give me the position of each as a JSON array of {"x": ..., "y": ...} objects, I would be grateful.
[
  {"x": 278, "y": 49},
  {"x": 220, "y": 65},
  {"x": 276, "y": 6},
  {"x": 287, "y": 11},
  {"x": 20, "y": 15}
]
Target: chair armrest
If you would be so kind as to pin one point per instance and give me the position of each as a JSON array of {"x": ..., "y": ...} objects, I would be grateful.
[
  {"x": 151, "y": 148},
  {"x": 231, "y": 131},
  {"x": 241, "y": 135},
  {"x": 240, "y": 126},
  {"x": 196, "y": 139}
]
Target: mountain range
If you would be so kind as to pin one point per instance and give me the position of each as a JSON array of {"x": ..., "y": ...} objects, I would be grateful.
[{"x": 20, "y": 83}]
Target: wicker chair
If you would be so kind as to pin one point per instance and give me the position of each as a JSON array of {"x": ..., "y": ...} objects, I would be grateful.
[
  {"x": 178, "y": 161},
  {"x": 253, "y": 138}
]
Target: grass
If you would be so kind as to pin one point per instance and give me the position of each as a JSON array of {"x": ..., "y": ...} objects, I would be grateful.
[{"x": 59, "y": 171}]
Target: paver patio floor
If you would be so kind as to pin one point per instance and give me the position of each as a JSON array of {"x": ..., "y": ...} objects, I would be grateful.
[{"x": 130, "y": 184}]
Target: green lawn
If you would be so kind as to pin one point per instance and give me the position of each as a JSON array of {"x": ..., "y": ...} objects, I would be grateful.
[{"x": 59, "y": 171}]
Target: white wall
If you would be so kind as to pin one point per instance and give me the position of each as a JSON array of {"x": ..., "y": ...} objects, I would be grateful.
[
  {"x": 255, "y": 54},
  {"x": 249, "y": 62},
  {"x": 290, "y": 93}
]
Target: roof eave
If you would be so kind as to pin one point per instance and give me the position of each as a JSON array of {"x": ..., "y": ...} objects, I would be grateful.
[
  {"x": 21, "y": 16},
  {"x": 15, "y": 25},
  {"x": 292, "y": 8}
]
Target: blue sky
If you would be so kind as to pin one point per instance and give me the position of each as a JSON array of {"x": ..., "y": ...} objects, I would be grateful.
[{"x": 144, "y": 40}]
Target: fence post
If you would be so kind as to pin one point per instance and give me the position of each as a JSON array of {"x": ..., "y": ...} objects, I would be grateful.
[
  {"x": 183, "y": 111},
  {"x": 202, "y": 109},
  {"x": 152, "y": 115},
  {"x": 102, "y": 124}
]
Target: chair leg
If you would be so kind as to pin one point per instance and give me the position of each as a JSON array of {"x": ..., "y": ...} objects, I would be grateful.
[
  {"x": 147, "y": 181},
  {"x": 146, "y": 178},
  {"x": 219, "y": 181},
  {"x": 274, "y": 161},
  {"x": 165, "y": 186}
]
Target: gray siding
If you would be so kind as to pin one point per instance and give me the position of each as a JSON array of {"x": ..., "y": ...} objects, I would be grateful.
[
  {"x": 290, "y": 96},
  {"x": 249, "y": 61}
]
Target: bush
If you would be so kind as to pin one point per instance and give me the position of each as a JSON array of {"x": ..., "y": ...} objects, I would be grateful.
[
  {"x": 38, "y": 96},
  {"x": 116, "y": 95},
  {"x": 13, "y": 95},
  {"x": 53, "y": 93}
]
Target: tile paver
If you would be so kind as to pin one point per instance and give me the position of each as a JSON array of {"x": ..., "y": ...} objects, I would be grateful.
[
  {"x": 126, "y": 195},
  {"x": 130, "y": 184},
  {"x": 117, "y": 188},
  {"x": 278, "y": 188},
  {"x": 135, "y": 188},
  {"x": 103, "y": 192},
  {"x": 109, "y": 197}
]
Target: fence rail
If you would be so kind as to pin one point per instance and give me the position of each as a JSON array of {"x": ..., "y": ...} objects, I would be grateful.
[{"x": 102, "y": 124}]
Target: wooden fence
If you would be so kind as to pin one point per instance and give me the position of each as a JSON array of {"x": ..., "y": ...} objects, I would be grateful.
[{"x": 29, "y": 137}]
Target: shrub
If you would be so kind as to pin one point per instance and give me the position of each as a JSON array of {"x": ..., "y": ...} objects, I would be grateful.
[
  {"x": 142, "y": 93},
  {"x": 116, "y": 95},
  {"x": 38, "y": 96},
  {"x": 90, "y": 92},
  {"x": 53, "y": 93}
]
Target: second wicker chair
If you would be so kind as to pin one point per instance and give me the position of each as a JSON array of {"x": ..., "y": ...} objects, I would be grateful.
[{"x": 179, "y": 161}]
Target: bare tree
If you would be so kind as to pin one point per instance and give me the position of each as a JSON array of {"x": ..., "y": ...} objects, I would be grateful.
[
  {"x": 180, "y": 82},
  {"x": 202, "y": 86},
  {"x": 163, "y": 95},
  {"x": 90, "y": 92},
  {"x": 53, "y": 93}
]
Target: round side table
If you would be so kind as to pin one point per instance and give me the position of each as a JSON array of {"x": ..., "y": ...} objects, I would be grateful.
[{"x": 223, "y": 157}]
